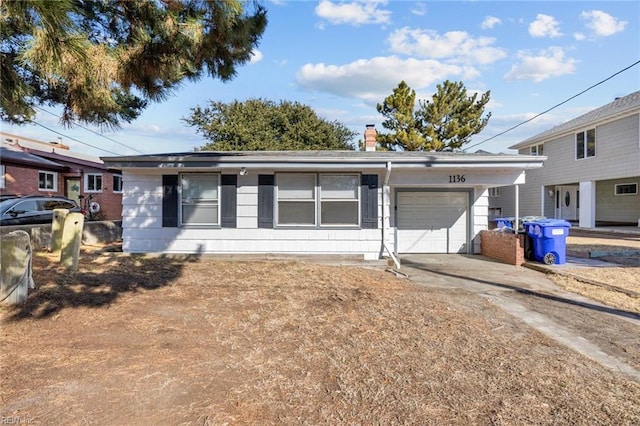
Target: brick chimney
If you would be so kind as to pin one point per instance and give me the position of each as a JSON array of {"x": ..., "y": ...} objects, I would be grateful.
[{"x": 370, "y": 137}]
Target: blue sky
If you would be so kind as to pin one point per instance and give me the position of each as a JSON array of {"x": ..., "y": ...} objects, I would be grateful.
[{"x": 342, "y": 58}]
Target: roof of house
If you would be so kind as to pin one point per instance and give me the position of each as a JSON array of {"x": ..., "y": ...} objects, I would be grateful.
[
  {"x": 311, "y": 159},
  {"x": 26, "y": 159},
  {"x": 619, "y": 108}
]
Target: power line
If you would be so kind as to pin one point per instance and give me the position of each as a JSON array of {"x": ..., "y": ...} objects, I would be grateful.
[
  {"x": 92, "y": 131},
  {"x": 73, "y": 139},
  {"x": 553, "y": 107}
]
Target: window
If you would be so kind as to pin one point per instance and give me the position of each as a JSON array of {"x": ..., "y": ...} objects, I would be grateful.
[
  {"x": 495, "y": 211},
  {"x": 586, "y": 144},
  {"x": 117, "y": 183},
  {"x": 537, "y": 149},
  {"x": 494, "y": 192},
  {"x": 199, "y": 199},
  {"x": 339, "y": 200},
  {"x": 93, "y": 182},
  {"x": 626, "y": 189},
  {"x": 47, "y": 181},
  {"x": 296, "y": 199},
  {"x": 2, "y": 179},
  {"x": 298, "y": 195}
]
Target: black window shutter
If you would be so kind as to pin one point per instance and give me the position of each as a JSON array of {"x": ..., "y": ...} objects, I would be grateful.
[
  {"x": 265, "y": 201},
  {"x": 228, "y": 201},
  {"x": 369, "y": 202},
  {"x": 169, "y": 201}
]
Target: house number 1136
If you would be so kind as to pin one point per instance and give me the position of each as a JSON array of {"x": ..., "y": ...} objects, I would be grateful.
[{"x": 456, "y": 178}]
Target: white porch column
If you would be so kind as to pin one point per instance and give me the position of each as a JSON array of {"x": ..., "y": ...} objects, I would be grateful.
[{"x": 587, "y": 218}]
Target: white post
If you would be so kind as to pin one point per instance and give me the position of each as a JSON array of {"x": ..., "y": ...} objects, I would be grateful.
[{"x": 587, "y": 214}]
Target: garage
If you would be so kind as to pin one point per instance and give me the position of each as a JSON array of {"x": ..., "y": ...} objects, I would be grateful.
[{"x": 432, "y": 222}]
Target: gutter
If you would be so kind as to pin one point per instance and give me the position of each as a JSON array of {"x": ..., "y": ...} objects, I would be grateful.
[{"x": 385, "y": 190}]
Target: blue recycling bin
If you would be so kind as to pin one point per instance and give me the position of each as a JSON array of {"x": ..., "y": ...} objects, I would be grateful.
[
  {"x": 549, "y": 238},
  {"x": 504, "y": 222}
]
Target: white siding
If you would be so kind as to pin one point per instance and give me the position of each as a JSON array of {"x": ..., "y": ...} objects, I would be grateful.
[
  {"x": 143, "y": 231},
  {"x": 617, "y": 157}
]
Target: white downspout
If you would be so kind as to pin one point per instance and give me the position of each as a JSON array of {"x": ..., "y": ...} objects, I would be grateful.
[
  {"x": 385, "y": 222},
  {"x": 516, "y": 220}
]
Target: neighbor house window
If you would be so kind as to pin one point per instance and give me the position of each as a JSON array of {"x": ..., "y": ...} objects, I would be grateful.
[
  {"x": 304, "y": 199},
  {"x": 47, "y": 181},
  {"x": 199, "y": 199},
  {"x": 537, "y": 149},
  {"x": 2, "y": 179},
  {"x": 117, "y": 183},
  {"x": 93, "y": 182},
  {"x": 495, "y": 211},
  {"x": 626, "y": 189},
  {"x": 586, "y": 144},
  {"x": 494, "y": 192}
]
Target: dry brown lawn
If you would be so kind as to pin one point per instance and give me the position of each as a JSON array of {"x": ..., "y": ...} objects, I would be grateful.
[
  {"x": 151, "y": 340},
  {"x": 625, "y": 277}
]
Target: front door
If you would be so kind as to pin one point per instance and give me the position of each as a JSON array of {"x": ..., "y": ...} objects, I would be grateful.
[
  {"x": 72, "y": 189},
  {"x": 567, "y": 202}
]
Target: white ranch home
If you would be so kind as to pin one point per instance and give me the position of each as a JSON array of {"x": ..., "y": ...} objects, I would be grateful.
[{"x": 373, "y": 204}]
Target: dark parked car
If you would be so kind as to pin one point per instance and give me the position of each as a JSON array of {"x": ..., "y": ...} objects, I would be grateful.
[{"x": 33, "y": 209}]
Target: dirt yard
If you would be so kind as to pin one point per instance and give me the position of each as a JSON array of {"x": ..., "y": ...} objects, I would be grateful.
[
  {"x": 144, "y": 340},
  {"x": 621, "y": 285}
]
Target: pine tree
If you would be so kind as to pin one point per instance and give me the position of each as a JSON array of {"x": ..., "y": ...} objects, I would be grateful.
[{"x": 105, "y": 60}]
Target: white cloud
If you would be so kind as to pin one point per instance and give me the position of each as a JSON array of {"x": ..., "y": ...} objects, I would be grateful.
[
  {"x": 456, "y": 46},
  {"x": 256, "y": 56},
  {"x": 371, "y": 80},
  {"x": 602, "y": 24},
  {"x": 419, "y": 9},
  {"x": 354, "y": 13},
  {"x": 547, "y": 64},
  {"x": 490, "y": 22},
  {"x": 579, "y": 36},
  {"x": 544, "y": 26}
]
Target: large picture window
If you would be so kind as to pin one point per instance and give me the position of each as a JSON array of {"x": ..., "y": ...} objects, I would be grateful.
[
  {"x": 47, "y": 181},
  {"x": 307, "y": 199},
  {"x": 199, "y": 199},
  {"x": 586, "y": 144}
]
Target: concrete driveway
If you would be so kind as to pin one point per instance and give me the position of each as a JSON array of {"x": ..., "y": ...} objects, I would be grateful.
[{"x": 604, "y": 334}]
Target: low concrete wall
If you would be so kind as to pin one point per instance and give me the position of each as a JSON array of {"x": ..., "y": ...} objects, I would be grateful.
[
  {"x": 93, "y": 232},
  {"x": 503, "y": 246}
]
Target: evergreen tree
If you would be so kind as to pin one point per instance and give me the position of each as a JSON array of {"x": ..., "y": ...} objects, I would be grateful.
[
  {"x": 105, "y": 60},
  {"x": 452, "y": 117},
  {"x": 398, "y": 110},
  {"x": 444, "y": 124},
  {"x": 262, "y": 125}
]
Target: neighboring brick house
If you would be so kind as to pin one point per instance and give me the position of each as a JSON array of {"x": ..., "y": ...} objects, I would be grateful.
[{"x": 28, "y": 166}]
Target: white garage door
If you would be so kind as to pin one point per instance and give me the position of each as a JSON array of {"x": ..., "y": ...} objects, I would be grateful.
[{"x": 432, "y": 222}]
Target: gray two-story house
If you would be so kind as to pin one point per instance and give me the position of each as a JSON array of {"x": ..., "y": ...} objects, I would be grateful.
[{"x": 591, "y": 174}]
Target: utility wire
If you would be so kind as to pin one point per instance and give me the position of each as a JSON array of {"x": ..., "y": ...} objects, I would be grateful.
[
  {"x": 73, "y": 139},
  {"x": 553, "y": 107},
  {"x": 92, "y": 131}
]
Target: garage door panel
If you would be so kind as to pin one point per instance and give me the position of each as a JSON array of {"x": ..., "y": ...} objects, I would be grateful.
[{"x": 432, "y": 222}]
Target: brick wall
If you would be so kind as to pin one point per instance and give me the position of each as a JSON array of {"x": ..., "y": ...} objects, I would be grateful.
[
  {"x": 21, "y": 180},
  {"x": 503, "y": 246}
]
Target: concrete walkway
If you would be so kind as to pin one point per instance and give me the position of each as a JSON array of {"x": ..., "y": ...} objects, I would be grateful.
[{"x": 519, "y": 291}]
